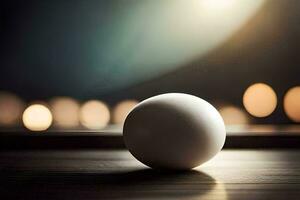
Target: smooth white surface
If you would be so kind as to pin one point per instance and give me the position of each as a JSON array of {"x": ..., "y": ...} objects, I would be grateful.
[{"x": 174, "y": 131}]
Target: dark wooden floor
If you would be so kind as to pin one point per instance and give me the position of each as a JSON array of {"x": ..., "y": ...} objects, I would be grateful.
[{"x": 115, "y": 174}]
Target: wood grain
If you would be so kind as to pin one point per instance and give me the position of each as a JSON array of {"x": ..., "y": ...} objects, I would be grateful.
[{"x": 115, "y": 174}]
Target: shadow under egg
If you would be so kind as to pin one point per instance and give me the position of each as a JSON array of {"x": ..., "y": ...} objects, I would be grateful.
[{"x": 143, "y": 183}]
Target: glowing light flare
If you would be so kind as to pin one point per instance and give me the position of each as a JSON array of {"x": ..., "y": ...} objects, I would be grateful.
[
  {"x": 218, "y": 5},
  {"x": 183, "y": 30},
  {"x": 11, "y": 108},
  {"x": 37, "y": 117},
  {"x": 65, "y": 111},
  {"x": 94, "y": 114},
  {"x": 122, "y": 109},
  {"x": 260, "y": 100},
  {"x": 234, "y": 115},
  {"x": 291, "y": 104}
]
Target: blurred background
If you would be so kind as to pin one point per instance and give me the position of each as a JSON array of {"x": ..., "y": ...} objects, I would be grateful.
[{"x": 83, "y": 65}]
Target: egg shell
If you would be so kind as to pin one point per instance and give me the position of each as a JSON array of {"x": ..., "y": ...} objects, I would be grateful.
[{"x": 174, "y": 131}]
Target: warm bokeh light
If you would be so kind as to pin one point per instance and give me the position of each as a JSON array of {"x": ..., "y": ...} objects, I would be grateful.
[
  {"x": 37, "y": 117},
  {"x": 65, "y": 111},
  {"x": 233, "y": 115},
  {"x": 11, "y": 108},
  {"x": 292, "y": 104},
  {"x": 122, "y": 110},
  {"x": 260, "y": 100},
  {"x": 94, "y": 114}
]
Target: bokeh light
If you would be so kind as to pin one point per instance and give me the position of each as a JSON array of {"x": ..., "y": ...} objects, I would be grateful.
[
  {"x": 94, "y": 114},
  {"x": 260, "y": 100},
  {"x": 37, "y": 117},
  {"x": 122, "y": 109},
  {"x": 291, "y": 104},
  {"x": 234, "y": 115},
  {"x": 65, "y": 111},
  {"x": 11, "y": 108}
]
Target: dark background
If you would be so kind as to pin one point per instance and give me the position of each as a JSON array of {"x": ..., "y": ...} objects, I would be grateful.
[{"x": 47, "y": 47}]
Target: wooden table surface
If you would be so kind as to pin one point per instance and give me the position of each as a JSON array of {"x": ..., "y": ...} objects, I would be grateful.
[{"x": 115, "y": 174}]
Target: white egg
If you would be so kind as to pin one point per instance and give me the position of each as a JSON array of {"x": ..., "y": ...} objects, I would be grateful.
[{"x": 174, "y": 131}]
